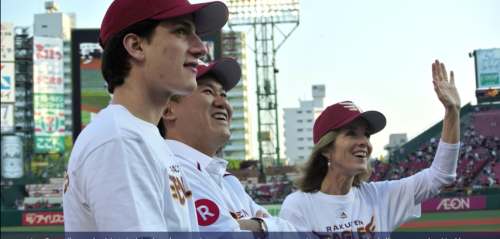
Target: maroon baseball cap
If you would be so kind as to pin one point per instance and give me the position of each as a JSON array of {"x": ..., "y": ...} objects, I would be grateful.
[
  {"x": 227, "y": 71},
  {"x": 209, "y": 17},
  {"x": 342, "y": 113}
]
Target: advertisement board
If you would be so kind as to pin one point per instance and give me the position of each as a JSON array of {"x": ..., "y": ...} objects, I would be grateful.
[
  {"x": 43, "y": 218},
  {"x": 48, "y": 99},
  {"x": 7, "y": 42},
  {"x": 49, "y": 123},
  {"x": 48, "y": 65},
  {"x": 8, "y": 82},
  {"x": 454, "y": 204},
  {"x": 90, "y": 93},
  {"x": 7, "y": 118},
  {"x": 489, "y": 95},
  {"x": 487, "y": 68}
]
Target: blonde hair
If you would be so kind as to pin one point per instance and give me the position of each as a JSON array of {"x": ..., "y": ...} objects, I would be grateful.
[{"x": 312, "y": 173}]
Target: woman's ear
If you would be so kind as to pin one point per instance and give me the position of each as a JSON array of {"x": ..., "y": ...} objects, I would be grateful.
[{"x": 326, "y": 153}]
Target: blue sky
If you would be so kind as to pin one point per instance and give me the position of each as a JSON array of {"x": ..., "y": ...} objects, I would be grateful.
[{"x": 375, "y": 53}]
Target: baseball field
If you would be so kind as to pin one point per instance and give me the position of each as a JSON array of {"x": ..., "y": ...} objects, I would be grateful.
[{"x": 463, "y": 221}]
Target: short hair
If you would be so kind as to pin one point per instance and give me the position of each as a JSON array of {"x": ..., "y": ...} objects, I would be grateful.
[
  {"x": 115, "y": 65},
  {"x": 312, "y": 173}
]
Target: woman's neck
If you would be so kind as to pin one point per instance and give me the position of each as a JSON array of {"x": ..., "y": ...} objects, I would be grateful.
[{"x": 336, "y": 183}]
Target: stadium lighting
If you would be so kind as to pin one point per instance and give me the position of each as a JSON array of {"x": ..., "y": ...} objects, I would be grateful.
[{"x": 269, "y": 10}]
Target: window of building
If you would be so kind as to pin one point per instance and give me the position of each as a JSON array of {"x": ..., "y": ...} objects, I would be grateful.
[
  {"x": 301, "y": 148},
  {"x": 301, "y": 139},
  {"x": 299, "y": 121},
  {"x": 309, "y": 120},
  {"x": 310, "y": 148},
  {"x": 309, "y": 129},
  {"x": 309, "y": 138},
  {"x": 301, "y": 157},
  {"x": 300, "y": 130},
  {"x": 309, "y": 111},
  {"x": 299, "y": 112}
]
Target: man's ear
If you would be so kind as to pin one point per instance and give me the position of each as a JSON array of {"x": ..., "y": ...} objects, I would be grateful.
[
  {"x": 133, "y": 45},
  {"x": 168, "y": 114}
]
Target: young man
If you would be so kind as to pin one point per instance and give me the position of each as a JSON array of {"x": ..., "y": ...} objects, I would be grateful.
[
  {"x": 195, "y": 127},
  {"x": 121, "y": 176}
]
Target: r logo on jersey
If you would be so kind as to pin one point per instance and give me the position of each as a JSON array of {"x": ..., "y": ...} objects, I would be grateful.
[
  {"x": 206, "y": 211},
  {"x": 342, "y": 215}
]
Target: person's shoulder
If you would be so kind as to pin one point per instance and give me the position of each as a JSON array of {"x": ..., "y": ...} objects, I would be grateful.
[{"x": 298, "y": 196}]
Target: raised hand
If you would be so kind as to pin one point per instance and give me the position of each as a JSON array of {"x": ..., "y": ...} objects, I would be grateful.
[{"x": 445, "y": 90}]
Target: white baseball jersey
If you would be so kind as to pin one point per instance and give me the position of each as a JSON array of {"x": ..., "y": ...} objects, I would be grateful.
[
  {"x": 220, "y": 199},
  {"x": 121, "y": 177},
  {"x": 372, "y": 207}
]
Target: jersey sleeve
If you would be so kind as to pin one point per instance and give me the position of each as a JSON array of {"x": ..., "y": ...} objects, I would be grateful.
[
  {"x": 212, "y": 214},
  {"x": 403, "y": 197},
  {"x": 290, "y": 211},
  {"x": 122, "y": 187}
]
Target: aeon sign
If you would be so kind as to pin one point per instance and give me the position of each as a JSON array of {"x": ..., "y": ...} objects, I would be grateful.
[{"x": 454, "y": 204}]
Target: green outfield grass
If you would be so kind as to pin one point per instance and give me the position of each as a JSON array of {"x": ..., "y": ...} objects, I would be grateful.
[
  {"x": 455, "y": 217},
  {"x": 426, "y": 217}
]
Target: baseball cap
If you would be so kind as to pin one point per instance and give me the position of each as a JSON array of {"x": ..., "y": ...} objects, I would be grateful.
[
  {"x": 227, "y": 71},
  {"x": 337, "y": 115},
  {"x": 208, "y": 17}
]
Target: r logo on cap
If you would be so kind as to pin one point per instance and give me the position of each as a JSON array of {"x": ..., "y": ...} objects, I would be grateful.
[{"x": 351, "y": 106}]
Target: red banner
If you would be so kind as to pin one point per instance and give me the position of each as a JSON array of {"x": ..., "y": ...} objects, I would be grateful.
[
  {"x": 43, "y": 218},
  {"x": 454, "y": 204}
]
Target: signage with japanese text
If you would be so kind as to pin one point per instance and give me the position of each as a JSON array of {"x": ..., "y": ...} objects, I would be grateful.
[
  {"x": 48, "y": 65},
  {"x": 488, "y": 68},
  {"x": 43, "y": 218},
  {"x": 7, "y": 42},
  {"x": 7, "y": 118},
  {"x": 8, "y": 83},
  {"x": 49, "y": 122}
]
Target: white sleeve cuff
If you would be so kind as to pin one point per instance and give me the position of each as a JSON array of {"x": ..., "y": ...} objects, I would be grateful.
[
  {"x": 271, "y": 225},
  {"x": 444, "y": 166}
]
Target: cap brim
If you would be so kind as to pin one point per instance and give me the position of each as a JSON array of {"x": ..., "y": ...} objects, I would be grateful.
[
  {"x": 376, "y": 121},
  {"x": 208, "y": 17},
  {"x": 226, "y": 70}
]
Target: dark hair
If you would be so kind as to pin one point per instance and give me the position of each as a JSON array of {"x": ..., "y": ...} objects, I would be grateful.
[
  {"x": 161, "y": 126},
  {"x": 115, "y": 58}
]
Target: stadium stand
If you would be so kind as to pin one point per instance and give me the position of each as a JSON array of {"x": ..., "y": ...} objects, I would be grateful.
[{"x": 22, "y": 194}]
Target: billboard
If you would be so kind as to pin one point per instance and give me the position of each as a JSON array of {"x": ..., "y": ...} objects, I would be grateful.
[
  {"x": 7, "y": 118},
  {"x": 90, "y": 93},
  {"x": 8, "y": 82},
  {"x": 454, "y": 204},
  {"x": 7, "y": 42},
  {"x": 48, "y": 99},
  {"x": 487, "y": 68},
  {"x": 43, "y": 218},
  {"x": 48, "y": 65}
]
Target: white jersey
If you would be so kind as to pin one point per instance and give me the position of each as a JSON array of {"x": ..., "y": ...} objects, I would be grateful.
[
  {"x": 372, "y": 207},
  {"x": 220, "y": 198},
  {"x": 121, "y": 177}
]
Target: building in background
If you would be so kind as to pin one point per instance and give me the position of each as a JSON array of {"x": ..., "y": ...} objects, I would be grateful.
[
  {"x": 299, "y": 124},
  {"x": 239, "y": 145},
  {"x": 59, "y": 25}
]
